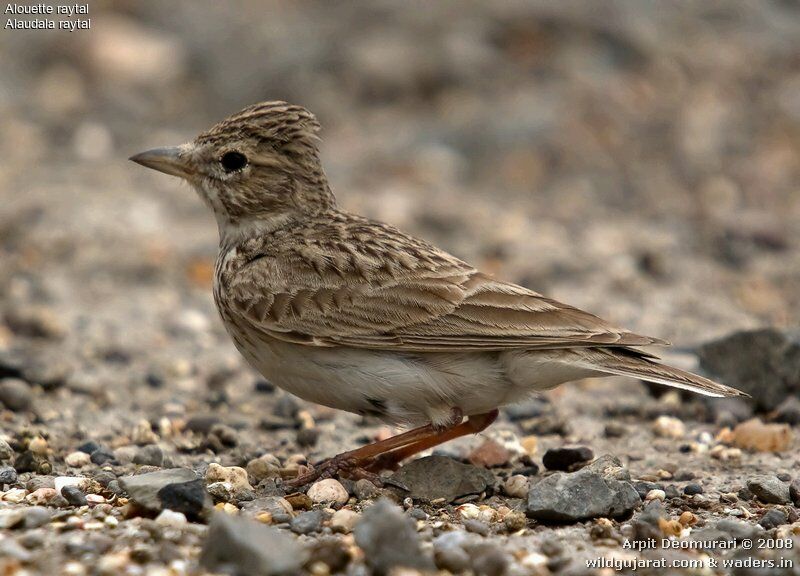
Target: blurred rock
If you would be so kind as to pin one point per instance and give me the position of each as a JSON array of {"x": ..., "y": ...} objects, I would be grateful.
[
  {"x": 755, "y": 435},
  {"x": 435, "y": 477},
  {"x": 144, "y": 489}
]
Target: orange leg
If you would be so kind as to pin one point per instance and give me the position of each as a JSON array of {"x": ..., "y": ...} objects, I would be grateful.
[{"x": 395, "y": 448}]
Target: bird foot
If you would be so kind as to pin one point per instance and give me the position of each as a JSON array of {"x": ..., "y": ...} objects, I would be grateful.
[{"x": 340, "y": 465}]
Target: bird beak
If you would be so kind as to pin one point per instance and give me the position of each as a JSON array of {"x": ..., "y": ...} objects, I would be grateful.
[{"x": 169, "y": 160}]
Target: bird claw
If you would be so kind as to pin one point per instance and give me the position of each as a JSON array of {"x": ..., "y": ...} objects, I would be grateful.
[{"x": 340, "y": 465}]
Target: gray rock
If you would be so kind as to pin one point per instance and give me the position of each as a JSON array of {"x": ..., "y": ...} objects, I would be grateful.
[
  {"x": 449, "y": 553},
  {"x": 275, "y": 505},
  {"x": 764, "y": 363},
  {"x": 773, "y": 519},
  {"x": 143, "y": 489},
  {"x": 769, "y": 489},
  {"x": 150, "y": 455},
  {"x": 389, "y": 539},
  {"x": 794, "y": 492},
  {"x": 565, "y": 457},
  {"x": 36, "y": 516},
  {"x": 365, "y": 490},
  {"x": 609, "y": 466},
  {"x": 15, "y": 394},
  {"x": 240, "y": 546},
  {"x": 7, "y": 475},
  {"x": 580, "y": 496},
  {"x": 727, "y": 530},
  {"x": 437, "y": 477},
  {"x": 307, "y": 522},
  {"x": 74, "y": 496}
]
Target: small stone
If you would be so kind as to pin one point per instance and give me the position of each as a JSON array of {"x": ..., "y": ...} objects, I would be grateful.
[
  {"x": 279, "y": 509},
  {"x": 669, "y": 427},
  {"x": 757, "y": 436},
  {"x": 35, "y": 322},
  {"x": 89, "y": 447},
  {"x": 307, "y": 437},
  {"x": 435, "y": 477},
  {"x": 449, "y": 553},
  {"x": 150, "y": 455},
  {"x": 171, "y": 519},
  {"x": 794, "y": 492},
  {"x": 489, "y": 454},
  {"x": 15, "y": 495},
  {"x": 773, "y": 519},
  {"x": 330, "y": 555},
  {"x": 263, "y": 467},
  {"x": 102, "y": 456},
  {"x": 517, "y": 486},
  {"x": 10, "y": 519},
  {"x": 769, "y": 489},
  {"x": 95, "y": 499},
  {"x": 300, "y": 501},
  {"x": 74, "y": 496},
  {"x": 566, "y": 457},
  {"x": 389, "y": 539},
  {"x": 307, "y": 522},
  {"x": 241, "y": 546},
  {"x": 189, "y": 498},
  {"x": 15, "y": 394},
  {"x": 7, "y": 475},
  {"x": 365, "y": 490},
  {"x": 61, "y": 481},
  {"x": 38, "y": 446},
  {"x": 234, "y": 474},
  {"x": 580, "y": 496},
  {"x": 41, "y": 496},
  {"x": 692, "y": 489},
  {"x": 143, "y": 489},
  {"x": 477, "y": 527},
  {"x": 6, "y": 452},
  {"x": 36, "y": 516},
  {"x": 515, "y": 521},
  {"x": 143, "y": 434},
  {"x": 77, "y": 459},
  {"x": 344, "y": 520},
  {"x": 655, "y": 495},
  {"x": 614, "y": 430},
  {"x": 328, "y": 491}
]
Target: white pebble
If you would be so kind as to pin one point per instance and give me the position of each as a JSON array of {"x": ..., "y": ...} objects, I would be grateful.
[
  {"x": 77, "y": 459},
  {"x": 171, "y": 518},
  {"x": 15, "y": 495},
  {"x": 468, "y": 511},
  {"x": 62, "y": 481},
  {"x": 110, "y": 521},
  {"x": 668, "y": 427},
  {"x": 94, "y": 499},
  {"x": 517, "y": 486},
  {"x": 234, "y": 474},
  {"x": 344, "y": 520},
  {"x": 656, "y": 495},
  {"x": 328, "y": 491}
]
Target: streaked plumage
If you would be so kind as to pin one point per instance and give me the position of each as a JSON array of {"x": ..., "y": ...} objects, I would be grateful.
[{"x": 357, "y": 315}]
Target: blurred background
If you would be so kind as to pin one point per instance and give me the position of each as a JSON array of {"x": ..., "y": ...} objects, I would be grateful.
[{"x": 639, "y": 159}]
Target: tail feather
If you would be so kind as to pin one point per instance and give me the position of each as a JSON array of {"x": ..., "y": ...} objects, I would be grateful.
[{"x": 626, "y": 362}]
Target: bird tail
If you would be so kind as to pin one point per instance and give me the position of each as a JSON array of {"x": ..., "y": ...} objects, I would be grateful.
[{"x": 636, "y": 364}]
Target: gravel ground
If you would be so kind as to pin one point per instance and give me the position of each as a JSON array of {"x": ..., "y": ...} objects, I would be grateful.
[{"x": 647, "y": 151}]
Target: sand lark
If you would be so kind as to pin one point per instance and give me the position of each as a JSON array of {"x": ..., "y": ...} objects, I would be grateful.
[{"x": 356, "y": 315}]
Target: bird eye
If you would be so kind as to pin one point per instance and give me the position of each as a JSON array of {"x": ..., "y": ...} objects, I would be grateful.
[{"x": 233, "y": 161}]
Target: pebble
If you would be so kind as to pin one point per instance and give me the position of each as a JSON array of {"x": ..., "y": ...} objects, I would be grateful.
[
  {"x": 278, "y": 508},
  {"x": 477, "y": 527},
  {"x": 389, "y": 539},
  {"x": 328, "y": 491},
  {"x": 769, "y": 489},
  {"x": 516, "y": 486},
  {"x": 77, "y": 459},
  {"x": 580, "y": 496},
  {"x": 89, "y": 447},
  {"x": 330, "y": 556},
  {"x": 515, "y": 521},
  {"x": 365, "y": 490},
  {"x": 692, "y": 489},
  {"x": 15, "y": 495},
  {"x": 143, "y": 489},
  {"x": 566, "y": 457},
  {"x": 189, "y": 498},
  {"x": 8, "y": 475},
  {"x": 36, "y": 516},
  {"x": 263, "y": 467},
  {"x": 656, "y": 495},
  {"x": 15, "y": 394},
  {"x": 669, "y": 427},
  {"x": 6, "y": 452},
  {"x": 171, "y": 519},
  {"x": 102, "y": 456},
  {"x": 41, "y": 496},
  {"x": 344, "y": 520},
  {"x": 789, "y": 411},
  {"x": 449, "y": 553},
  {"x": 757, "y": 436},
  {"x": 73, "y": 495},
  {"x": 234, "y": 474},
  {"x": 435, "y": 477},
  {"x": 143, "y": 434},
  {"x": 490, "y": 454},
  {"x": 794, "y": 492},
  {"x": 307, "y": 522},
  {"x": 38, "y": 446},
  {"x": 773, "y": 518},
  {"x": 241, "y": 546},
  {"x": 150, "y": 455}
]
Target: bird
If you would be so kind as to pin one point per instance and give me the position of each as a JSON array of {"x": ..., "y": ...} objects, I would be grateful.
[{"x": 357, "y": 315}]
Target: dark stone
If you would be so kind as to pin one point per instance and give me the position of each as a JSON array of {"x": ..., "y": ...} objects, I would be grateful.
[
  {"x": 531, "y": 469},
  {"x": 240, "y": 546},
  {"x": 764, "y": 363},
  {"x": 154, "y": 380},
  {"x": 789, "y": 411},
  {"x": 74, "y": 496},
  {"x": 189, "y": 498},
  {"x": 773, "y": 519},
  {"x": 7, "y": 475},
  {"x": 286, "y": 407},
  {"x": 30, "y": 462},
  {"x": 15, "y": 394},
  {"x": 272, "y": 422},
  {"x": 476, "y": 527},
  {"x": 533, "y": 408},
  {"x": 307, "y": 522},
  {"x": 437, "y": 477},
  {"x": 566, "y": 457},
  {"x": 307, "y": 437},
  {"x": 794, "y": 492},
  {"x": 769, "y": 489},
  {"x": 580, "y": 496},
  {"x": 201, "y": 423},
  {"x": 389, "y": 539},
  {"x": 365, "y": 490},
  {"x": 692, "y": 489},
  {"x": 89, "y": 447},
  {"x": 102, "y": 456},
  {"x": 264, "y": 387},
  {"x": 144, "y": 489}
]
